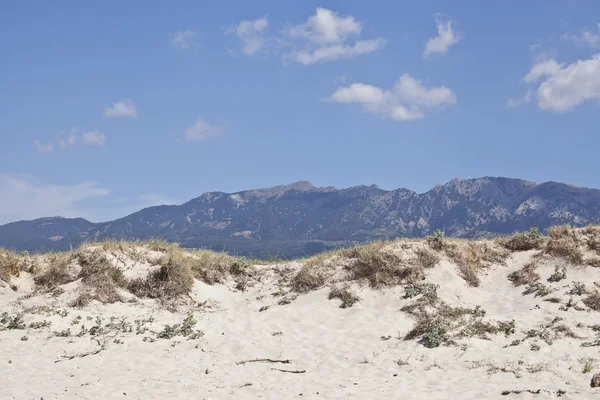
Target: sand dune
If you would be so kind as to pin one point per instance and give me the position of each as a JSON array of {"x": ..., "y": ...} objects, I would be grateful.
[{"x": 493, "y": 322}]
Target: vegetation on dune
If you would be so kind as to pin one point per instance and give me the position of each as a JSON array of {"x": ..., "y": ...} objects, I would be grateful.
[
  {"x": 10, "y": 265},
  {"x": 172, "y": 270}
]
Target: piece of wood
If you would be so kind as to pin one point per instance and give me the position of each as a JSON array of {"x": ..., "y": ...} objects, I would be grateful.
[
  {"x": 82, "y": 355},
  {"x": 290, "y": 371},
  {"x": 269, "y": 360}
]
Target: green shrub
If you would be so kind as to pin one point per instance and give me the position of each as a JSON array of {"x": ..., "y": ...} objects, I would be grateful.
[
  {"x": 559, "y": 274},
  {"x": 437, "y": 240},
  {"x": 436, "y": 333}
]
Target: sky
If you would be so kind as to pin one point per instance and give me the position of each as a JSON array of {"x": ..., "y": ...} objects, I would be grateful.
[{"x": 110, "y": 107}]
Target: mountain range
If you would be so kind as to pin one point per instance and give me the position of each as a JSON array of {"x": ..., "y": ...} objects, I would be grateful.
[{"x": 300, "y": 219}]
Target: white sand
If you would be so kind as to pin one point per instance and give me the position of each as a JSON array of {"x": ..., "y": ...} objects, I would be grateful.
[{"x": 341, "y": 350}]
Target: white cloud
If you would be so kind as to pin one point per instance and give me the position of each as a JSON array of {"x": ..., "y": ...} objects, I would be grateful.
[
  {"x": 324, "y": 37},
  {"x": 445, "y": 39},
  {"x": 408, "y": 99},
  {"x": 68, "y": 141},
  {"x": 326, "y": 27},
  {"x": 184, "y": 39},
  {"x": 201, "y": 131},
  {"x": 93, "y": 138},
  {"x": 43, "y": 148},
  {"x": 542, "y": 69},
  {"x": 587, "y": 38},
  {"x": 24, "y": 197},
  {"x": 123, "y": 108},
  {"x": 251, "y": 34},
  {"x": 565, "y": 86},
  {"x": 333, "y": 52}
]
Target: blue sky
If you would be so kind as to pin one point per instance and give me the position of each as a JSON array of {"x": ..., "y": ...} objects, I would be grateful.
[{"x": 108, "y": 107}]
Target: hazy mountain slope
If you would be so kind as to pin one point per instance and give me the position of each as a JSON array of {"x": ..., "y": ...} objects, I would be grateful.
[{"x": 291, "y": 220}]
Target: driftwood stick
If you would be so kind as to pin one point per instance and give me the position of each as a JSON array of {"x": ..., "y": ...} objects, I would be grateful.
[
  {"x": 82, "y": 355},
  {"x": 269, "y": 360},
  {"x": 290, "y": 371}
]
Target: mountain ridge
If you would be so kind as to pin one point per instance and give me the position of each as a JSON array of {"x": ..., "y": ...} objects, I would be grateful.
[{"x": 299, "y": 218}]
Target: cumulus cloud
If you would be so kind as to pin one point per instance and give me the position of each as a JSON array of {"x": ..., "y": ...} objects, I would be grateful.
[
  {"x": 324, "y": 37},
  {"x": 407, "y": 100},
  {"x": 251, "y": 34},
  {"x": 559, "y": 87},
  {"x": 24, "y": 197},
  {"x": 446, "y": 38},
  {"x": 93, "y": 138},
  {"x": 327, "y": 27},
  {"x": 123, "y": 108},
  {"x": 184, "y": 39},
  {"x": 43, "y": 148},
  {"x": 201, "y": 131},
  {"x": 586, "y": 37}
]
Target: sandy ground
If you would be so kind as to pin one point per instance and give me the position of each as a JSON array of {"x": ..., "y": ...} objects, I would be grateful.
[{"x": 357, "y": 352}]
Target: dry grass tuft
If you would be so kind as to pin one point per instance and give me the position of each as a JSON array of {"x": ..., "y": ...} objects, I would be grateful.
[
  {"x": 593, "y": 300},
  {"x": 170, "y": 282},
  {"x": 10, "y": 265},
  {"x": 308, "y": 278},
  {"x": 523, "y": 241},
  {"x": 426, "y": 257},
  {"x": 58, "y": 271},
  {"x": 379, "y": 267},
  {"x": 472, "y": 257},
  {"x": 100, "y": 279},
  {"x": 525, "y": 275},
  {"x": 592, "y": 232},
  {"x": 345, "y": 294},
  {"x": 593, "y": 262},
  {"x": 565, "y": 242}
]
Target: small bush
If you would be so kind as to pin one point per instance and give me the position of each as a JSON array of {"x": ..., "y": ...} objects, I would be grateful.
[
  {"x": 539, "y": 289},
  {"x": 13, "y": 322},
  {"x": 530, "y": 240},
  {"x": 10, "y": 265},
  {"x": 436, "y": 333},
  {"x": 171, "y": 281},
  {"x": 379, "y": 267},
  {"x": 588, "y": 365},
  {"x": 472, "y": 257},
  {"x": 184, "y": 329},
  {"x": 308, "y": 278},
  {"x": 559, "y": 274},
  {"x": 40, "y": 324},
  {"x": 564, "y": 242},
  {"x": 426, "y": 258},
  {"x": 57, "y": 272},
  {"x": 593, "y": 300},
  {"x": 100, "y": 279},
  {"x": 345, "y": 294},
  {"x": 555, "y": 300},
  {"x": 63, "y": 333},
  {"x": 437, "y": 240},
  {"x": 525, "y": 275},
  {"x": 578, "y": 289},
  {"x": 428, "y": 290}
]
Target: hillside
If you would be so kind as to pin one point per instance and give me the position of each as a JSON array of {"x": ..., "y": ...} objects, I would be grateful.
[
  {"x": 515, "y": 317},
  {"x": 300, "y": 219}
]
